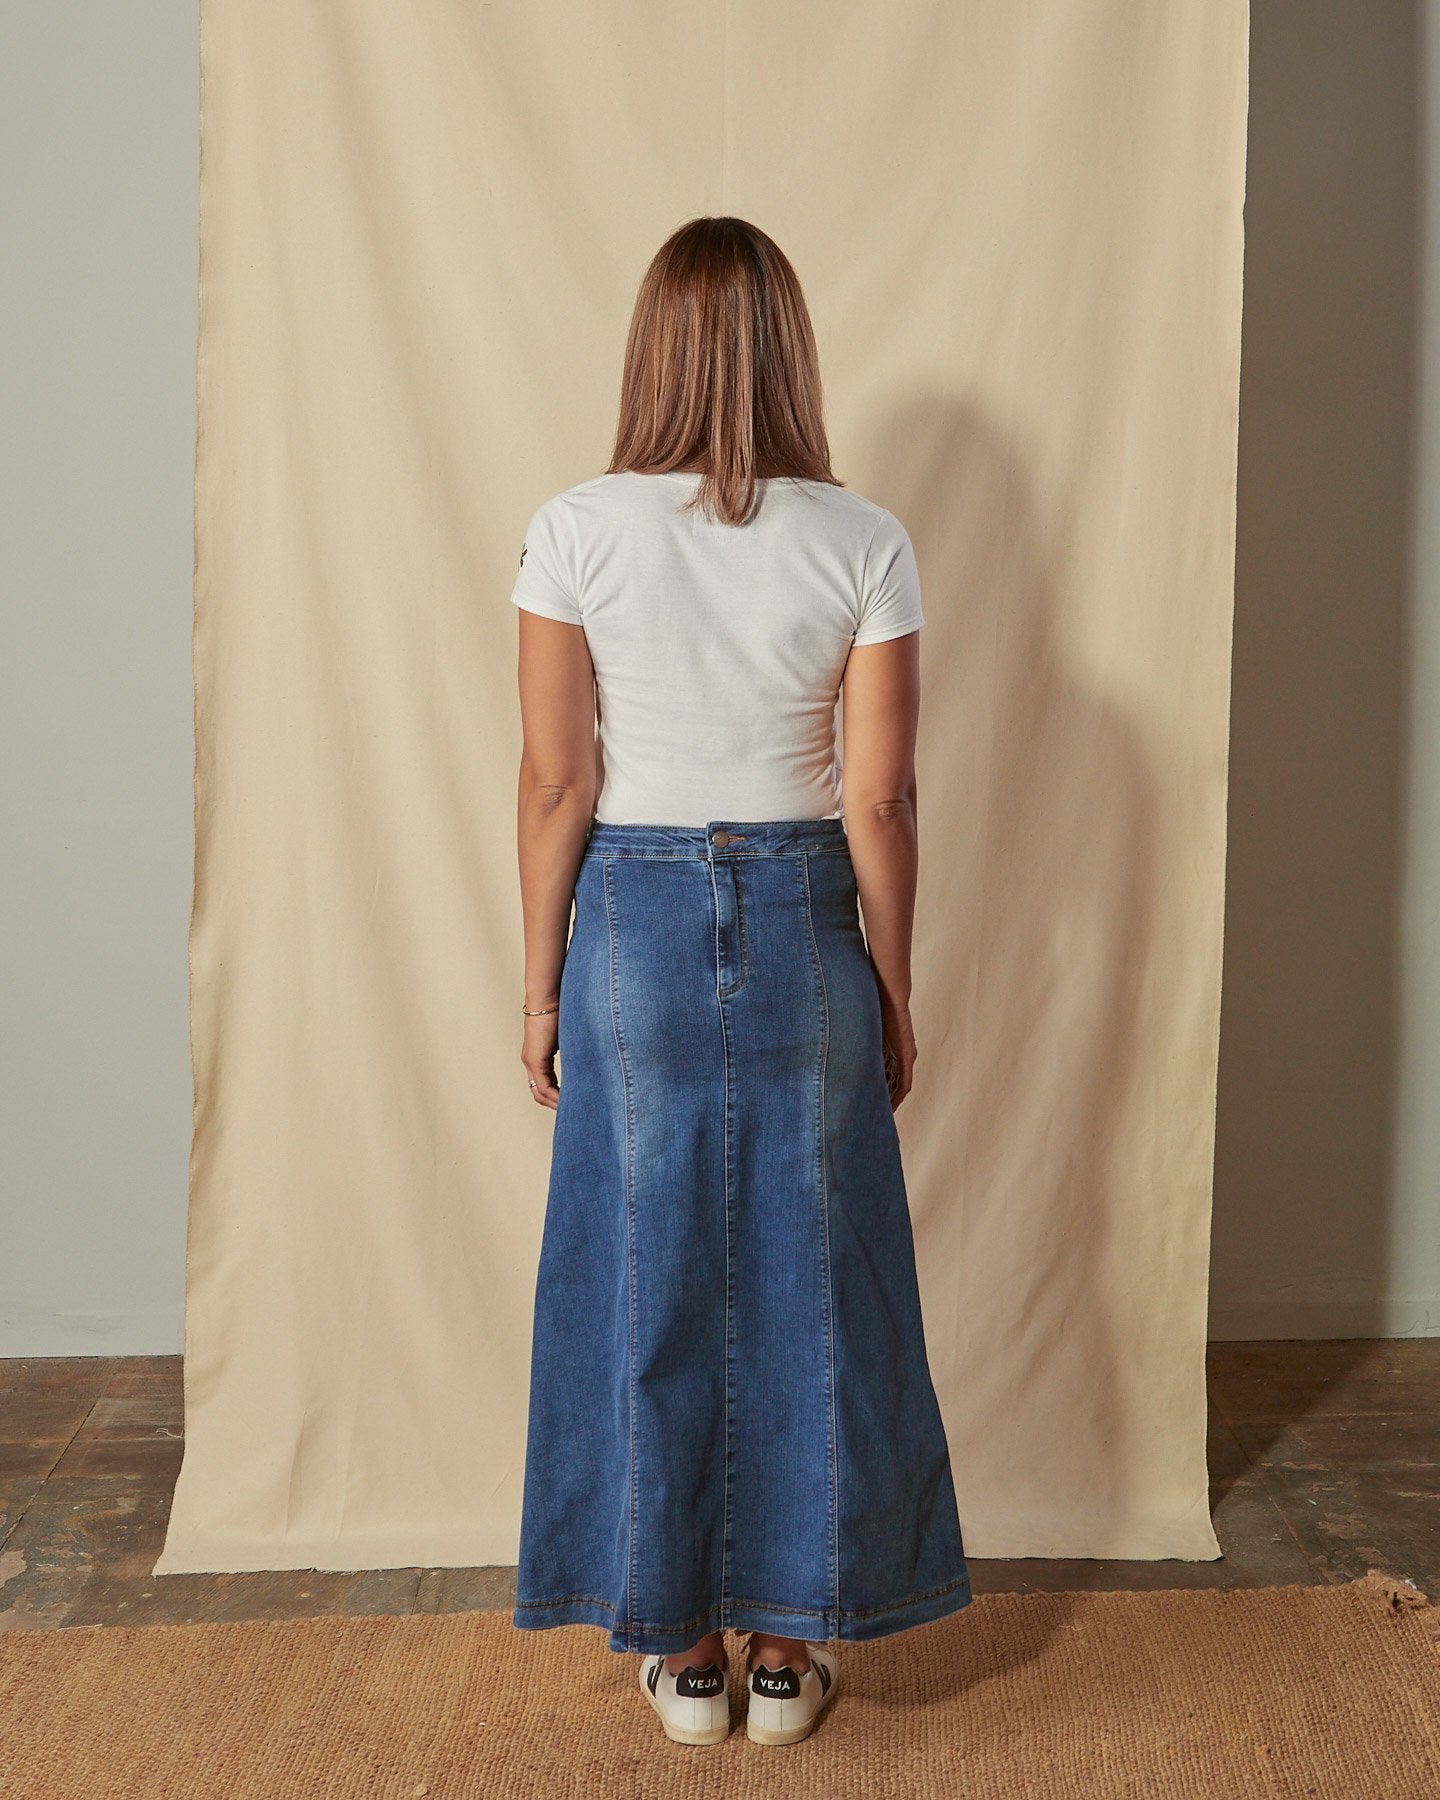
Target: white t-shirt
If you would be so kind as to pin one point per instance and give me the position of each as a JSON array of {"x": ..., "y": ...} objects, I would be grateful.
[{"x": 718, "y": 649}]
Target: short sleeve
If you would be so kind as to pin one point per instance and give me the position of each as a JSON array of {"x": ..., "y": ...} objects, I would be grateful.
[
  {"x": 544, "y": 582},
  {"x": 890, "y": 588}
]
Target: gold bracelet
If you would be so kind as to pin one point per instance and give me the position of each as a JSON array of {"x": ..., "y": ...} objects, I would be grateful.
[{"x": 539, "y": 1011}]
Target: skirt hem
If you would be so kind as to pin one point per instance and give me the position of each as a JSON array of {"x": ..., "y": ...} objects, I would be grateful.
[{"x": 745, "y": 1615}]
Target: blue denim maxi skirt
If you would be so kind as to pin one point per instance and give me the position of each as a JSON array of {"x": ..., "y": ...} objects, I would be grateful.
[{"x": 732, "y": 1422}]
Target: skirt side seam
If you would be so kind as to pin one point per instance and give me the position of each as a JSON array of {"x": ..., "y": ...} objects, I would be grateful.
[
  {"x": 634, "y": 1498},
  {"x": 822, "y": 1183}
]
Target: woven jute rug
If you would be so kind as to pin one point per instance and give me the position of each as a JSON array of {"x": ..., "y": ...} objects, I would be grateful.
[{"x": 1329, "y": 1691}]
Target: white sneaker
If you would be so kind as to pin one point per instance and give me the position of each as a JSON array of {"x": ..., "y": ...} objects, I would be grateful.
[
  {"x": 694, "y": 1706},
  {"x": 785, "y": 1703}
]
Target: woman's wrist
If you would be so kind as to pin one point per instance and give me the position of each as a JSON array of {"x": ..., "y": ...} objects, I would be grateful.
[{"x": 894, "y": 991}]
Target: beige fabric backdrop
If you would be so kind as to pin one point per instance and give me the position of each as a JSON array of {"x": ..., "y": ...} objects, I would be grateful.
[{"x": 1020, "y": 231}]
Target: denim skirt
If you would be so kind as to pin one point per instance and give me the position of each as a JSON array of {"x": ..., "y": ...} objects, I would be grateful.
[{"x": 732, "y": 1422}]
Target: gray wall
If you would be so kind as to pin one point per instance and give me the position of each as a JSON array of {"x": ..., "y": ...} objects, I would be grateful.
[
  {"x": 97, "y": 112},
  {"x": 1327, "y": 1162},
  {"x": 1328, "y": 1146}
]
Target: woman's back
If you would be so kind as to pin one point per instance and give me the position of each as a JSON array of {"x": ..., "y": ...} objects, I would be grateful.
[{"x": 718, "y": 649}]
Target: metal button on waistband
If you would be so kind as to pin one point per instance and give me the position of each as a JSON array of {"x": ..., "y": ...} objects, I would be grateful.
[{"x": 720, "y": 839}]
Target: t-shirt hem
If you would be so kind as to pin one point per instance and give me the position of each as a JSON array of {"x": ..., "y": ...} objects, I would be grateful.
[
  {"x": 882, "y": 635},
  {"x": 546, "y": 608}
]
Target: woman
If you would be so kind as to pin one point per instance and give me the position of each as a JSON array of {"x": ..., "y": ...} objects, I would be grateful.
[{"x": 732, "y": 1422}]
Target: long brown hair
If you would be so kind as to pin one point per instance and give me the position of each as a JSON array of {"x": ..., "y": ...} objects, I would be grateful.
[{"x": 721, "y": 371}]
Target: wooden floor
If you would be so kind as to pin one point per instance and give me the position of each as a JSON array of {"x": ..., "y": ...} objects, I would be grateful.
[{"x": 1324, "y": 1462}]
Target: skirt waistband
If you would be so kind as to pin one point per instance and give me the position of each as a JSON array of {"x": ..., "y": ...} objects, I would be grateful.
[{"x": 721, "y": 837}]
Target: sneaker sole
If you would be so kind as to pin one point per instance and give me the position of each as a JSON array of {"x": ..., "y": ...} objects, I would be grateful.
[{"x": 681, "y": 1734}]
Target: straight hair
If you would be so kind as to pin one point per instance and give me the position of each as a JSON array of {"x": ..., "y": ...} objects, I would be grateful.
[{"x": 721, "y": 371}]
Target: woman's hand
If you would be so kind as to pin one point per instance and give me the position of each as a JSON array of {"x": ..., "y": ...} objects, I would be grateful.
[
  {"x": 542, "y": 1040},
  {"x": 900, "y": 1051}
]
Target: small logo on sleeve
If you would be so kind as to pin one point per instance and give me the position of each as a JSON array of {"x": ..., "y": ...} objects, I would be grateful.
[{"x": 523, "y": 549}]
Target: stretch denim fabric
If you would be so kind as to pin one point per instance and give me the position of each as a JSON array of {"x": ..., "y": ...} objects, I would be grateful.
[{"x": 732, "y": 1422}]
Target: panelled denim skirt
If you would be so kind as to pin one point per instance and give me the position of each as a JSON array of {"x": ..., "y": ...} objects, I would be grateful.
[{"x": 732, "y": 1422}]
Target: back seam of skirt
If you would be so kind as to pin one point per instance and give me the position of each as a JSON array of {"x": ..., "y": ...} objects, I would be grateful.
[
  {"x": 727, "y": 1130},
  {"x": 823, "y": 1192},
  {"x": 634, "y": 1497}
]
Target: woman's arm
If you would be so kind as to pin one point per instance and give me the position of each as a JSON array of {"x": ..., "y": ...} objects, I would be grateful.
[
  {"x": 555, "y": 806},
  {"x": 880, "y": 719}
]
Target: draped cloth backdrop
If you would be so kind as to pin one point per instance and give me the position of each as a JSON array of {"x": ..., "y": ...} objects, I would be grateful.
[{"x": 1020, "y": 232}]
